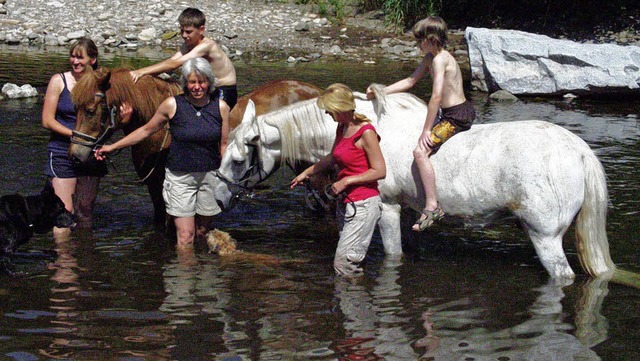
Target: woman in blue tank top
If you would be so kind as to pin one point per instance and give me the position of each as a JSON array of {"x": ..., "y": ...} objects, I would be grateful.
[
  {"x": 199, "y": 126},
  {"x": 59, "y": 116}
]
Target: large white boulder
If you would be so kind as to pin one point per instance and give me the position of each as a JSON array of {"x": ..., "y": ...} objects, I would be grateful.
[{"x": 525, "y": 63}]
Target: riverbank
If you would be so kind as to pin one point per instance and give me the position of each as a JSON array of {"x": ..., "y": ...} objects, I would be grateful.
[{"x": 272, "y": 31}]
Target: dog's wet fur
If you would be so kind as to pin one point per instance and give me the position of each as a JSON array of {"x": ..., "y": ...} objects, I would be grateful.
[
  {"x": 22, "y": 216},
  {"x": 222, "y": 244}
]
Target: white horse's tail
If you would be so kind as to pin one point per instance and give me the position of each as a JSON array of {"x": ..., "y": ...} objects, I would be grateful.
[{"x": 591, "y": 232}]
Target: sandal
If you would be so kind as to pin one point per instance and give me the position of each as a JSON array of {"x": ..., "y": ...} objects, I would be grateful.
[{"x": 426, "y": 222}]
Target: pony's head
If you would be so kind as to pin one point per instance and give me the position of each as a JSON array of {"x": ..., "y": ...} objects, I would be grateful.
[
  {"x": 260, "y": 144},
  {"x": 243, "y": 165},
  {"x": 93, "y": 114},
  {"x": 97, "y": 97}
]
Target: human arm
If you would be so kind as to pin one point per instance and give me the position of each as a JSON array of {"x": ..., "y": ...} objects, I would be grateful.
[
  {"x": 173, "y": 63},
  {"x": 377, "y": 167},
  {"x": 325, "y": 164},
  {"x": 408, "y": 82},
  {"x": 51, "y": 97},
  {"x": 166, "y": 110},
  {"x": 224, "y": 138},
  {"x": 435, "y": 101}
]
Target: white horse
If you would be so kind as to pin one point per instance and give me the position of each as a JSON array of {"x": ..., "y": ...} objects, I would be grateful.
[{"x": 541, "y": 172}]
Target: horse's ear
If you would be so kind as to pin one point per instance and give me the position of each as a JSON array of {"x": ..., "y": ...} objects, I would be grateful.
[
  {"x": 249, "y": 112},
  {"x": 103, "y": 76}
]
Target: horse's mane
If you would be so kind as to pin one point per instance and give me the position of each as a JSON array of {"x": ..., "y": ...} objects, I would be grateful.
[
  {"x": 304, "y": 131},
  {"x": 85, "y": 89},
  {"x": 386, "y": 101},
  {"x": 145, "y": 95}
]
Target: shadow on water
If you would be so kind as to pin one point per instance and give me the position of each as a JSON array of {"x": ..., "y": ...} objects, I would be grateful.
[{"x": 459, "y": 293}]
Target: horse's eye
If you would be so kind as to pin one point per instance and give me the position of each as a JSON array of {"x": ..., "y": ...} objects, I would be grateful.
[{"x": 90, "y": 111}]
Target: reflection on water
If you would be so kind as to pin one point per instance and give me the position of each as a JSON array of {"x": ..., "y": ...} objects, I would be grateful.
[
  {"x": 455, "y": 334},
  {"x": 123, "y": 291},
  {"x": 374, "y": 326}
]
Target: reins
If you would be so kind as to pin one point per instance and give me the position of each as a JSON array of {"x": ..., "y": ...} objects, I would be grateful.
[
  {"x": 256, "y": 164},
  {"x": 328, "y": 191},
  {"x": 155, "y": 164}
]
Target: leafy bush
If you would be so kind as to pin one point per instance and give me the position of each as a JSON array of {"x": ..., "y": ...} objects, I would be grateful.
[{"x": 402, "y": 14}]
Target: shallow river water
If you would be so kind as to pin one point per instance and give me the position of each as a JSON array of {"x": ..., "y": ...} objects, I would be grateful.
[{"x": 122, "y": 292}]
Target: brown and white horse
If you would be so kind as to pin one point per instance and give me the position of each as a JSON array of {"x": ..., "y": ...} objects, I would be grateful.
[{"x": 98, "y": 96}]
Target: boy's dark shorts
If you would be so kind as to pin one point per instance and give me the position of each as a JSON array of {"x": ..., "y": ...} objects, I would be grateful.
[
  {"x": 228, "y": 93},
  {"x": 451, "y": 121}
]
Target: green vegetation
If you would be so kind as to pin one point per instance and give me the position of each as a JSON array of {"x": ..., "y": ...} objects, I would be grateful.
[
  {"x": 402, "y": 14},
  {"x": 552, "y": 17}
]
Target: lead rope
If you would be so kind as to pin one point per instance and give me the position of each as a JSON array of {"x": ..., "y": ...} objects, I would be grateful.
[
  {"x": 164, "y": 141},
  {"x": 328, "y": 191}
]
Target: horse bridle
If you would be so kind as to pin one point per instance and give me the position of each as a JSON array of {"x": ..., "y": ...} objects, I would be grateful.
[
  {"x": 255, "y": 167},
  {"x": 106, "y": 128}
]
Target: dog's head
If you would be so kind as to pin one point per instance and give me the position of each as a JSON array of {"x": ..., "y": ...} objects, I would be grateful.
[
  {"x": 221, "y": 242},
  {"x": 47, "y": 210}
]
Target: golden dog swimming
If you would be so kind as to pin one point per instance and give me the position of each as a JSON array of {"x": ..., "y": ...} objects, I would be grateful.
[{"x": 221, "y": 243}]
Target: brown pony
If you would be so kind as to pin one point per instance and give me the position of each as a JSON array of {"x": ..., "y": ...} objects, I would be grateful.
[
  {"x": 272, "y": 96},
  {"x": 98, "y": 96}
]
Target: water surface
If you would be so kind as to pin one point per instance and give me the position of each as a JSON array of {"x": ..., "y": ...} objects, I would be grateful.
[{"x": 122, "y": 292}]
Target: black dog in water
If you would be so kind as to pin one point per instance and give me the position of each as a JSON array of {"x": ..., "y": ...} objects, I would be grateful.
[{"x": 21, "y": 217}]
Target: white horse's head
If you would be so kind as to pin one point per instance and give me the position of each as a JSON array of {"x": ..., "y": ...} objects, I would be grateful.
[
  {"x": 260, "y": 144},
  {"x": 243, "y": 164}
]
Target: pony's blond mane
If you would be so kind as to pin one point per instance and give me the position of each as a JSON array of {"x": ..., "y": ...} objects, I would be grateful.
[{"x": 305, "y": 132}]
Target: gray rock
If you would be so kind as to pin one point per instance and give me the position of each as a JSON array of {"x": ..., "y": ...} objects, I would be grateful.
[
  {"x": 335, "y": 49},
  {"x": 12, "y": 91},
  {"x": 51, "y": 40},
  {"x": 230, "y": 34},
  {"x": 12, "y": 39},
  {"x": 301, "y": 26},
  {"x": 147, "y": 34},
  {"x": 524, "y": 63},
  {"x": 76, "y": 34},
  {"x": 503, "y": 96}
]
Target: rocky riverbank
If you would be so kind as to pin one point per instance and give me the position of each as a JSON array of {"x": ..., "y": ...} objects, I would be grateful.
[{"x": 272, "y": 30}]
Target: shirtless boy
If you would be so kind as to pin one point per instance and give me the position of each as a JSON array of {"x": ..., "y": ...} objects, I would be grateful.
[
  {"x": 449, "y": 112},
  {"x": 192, "y": 29}
]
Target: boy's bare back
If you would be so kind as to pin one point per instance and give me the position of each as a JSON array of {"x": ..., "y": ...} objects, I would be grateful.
[{"x": 452, "y": 88}]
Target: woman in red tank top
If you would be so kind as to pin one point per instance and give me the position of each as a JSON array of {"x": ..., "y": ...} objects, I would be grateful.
[{"x": 356, "y": 152}]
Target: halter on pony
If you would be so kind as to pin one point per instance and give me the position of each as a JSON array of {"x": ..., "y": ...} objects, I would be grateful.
[{"x": 106, "y": 129}]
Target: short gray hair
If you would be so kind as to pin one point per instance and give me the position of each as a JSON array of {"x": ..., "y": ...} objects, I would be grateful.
[{"x": 201, "y": 67}]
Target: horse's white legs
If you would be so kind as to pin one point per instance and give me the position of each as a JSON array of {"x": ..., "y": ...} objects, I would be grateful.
[
  {"x": 390, "y": 230},
  {"x": 551, "y": 254}
]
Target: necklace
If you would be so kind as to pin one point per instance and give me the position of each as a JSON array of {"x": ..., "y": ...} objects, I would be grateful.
[{"x": 198, "y": 110}]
